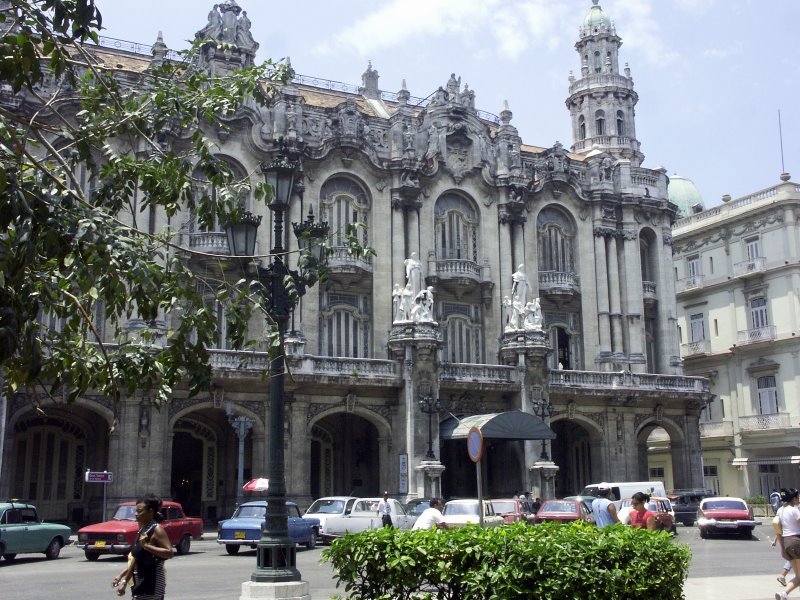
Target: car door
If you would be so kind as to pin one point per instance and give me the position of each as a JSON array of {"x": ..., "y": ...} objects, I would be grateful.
[
  {"x": 33, "y": 533},
  {"x": 295, "y": 524},
  {"x": 13, "y": 531},
  {"x": 403, "y": 521}
]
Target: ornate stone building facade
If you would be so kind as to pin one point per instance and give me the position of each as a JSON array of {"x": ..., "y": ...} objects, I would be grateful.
[
  {"x": 552, "y": 282},
  {"x": 738, "y": 315}
]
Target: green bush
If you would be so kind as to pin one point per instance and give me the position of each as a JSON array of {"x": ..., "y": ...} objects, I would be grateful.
[
  {"x": 516, "y": 561},
  {"x": 756, "y": 500}
]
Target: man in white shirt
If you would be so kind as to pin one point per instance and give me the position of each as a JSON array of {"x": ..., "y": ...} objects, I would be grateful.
[
  {"x": 431, "y": 518},
  {"x": 603, "y": 509},
  {"x": 385, "y": 510}
]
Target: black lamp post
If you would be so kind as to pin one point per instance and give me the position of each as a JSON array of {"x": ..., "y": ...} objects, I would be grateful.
[
  {"x": 276, "y": 554},
  {"x": 543, "y": 409},
  {"x": 430, "y": 406}
]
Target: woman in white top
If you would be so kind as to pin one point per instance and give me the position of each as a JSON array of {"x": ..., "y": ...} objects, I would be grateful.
[{"x": 789, "y": 515}]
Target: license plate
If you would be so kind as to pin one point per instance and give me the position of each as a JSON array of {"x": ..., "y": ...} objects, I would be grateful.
[
  {"x": 100, "y": 544},
  {"x": 239, "y": 535}
]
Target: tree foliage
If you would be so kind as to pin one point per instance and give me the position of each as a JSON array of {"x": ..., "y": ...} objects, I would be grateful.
[{"x": 73, "y": 251}]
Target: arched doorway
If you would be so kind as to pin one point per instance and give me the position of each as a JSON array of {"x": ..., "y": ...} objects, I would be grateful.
[
  {"x": 662, "y": 451},
  {"x": 345, "y": 456},
  {"x": 575, "y": 454},
  {"x": 195, "y": 465}
]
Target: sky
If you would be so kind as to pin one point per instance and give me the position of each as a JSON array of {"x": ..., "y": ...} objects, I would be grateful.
[{"x": 711, "y": 75}]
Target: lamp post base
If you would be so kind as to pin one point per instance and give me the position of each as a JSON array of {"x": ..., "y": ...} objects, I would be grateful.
[
  {"x": 276, "y": 561},
  {"x": 286, "y": 590}
]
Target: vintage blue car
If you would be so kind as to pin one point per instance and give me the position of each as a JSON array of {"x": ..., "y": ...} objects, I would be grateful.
[
  {"x": 244, "y": 527},
  {"x": 21, "y": 531}
]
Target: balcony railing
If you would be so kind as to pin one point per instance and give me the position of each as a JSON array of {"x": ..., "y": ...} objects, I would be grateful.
[
  {"x": 716, "y": 429},
  {"x": 212, "y": 242},
  {"x": 649, "y": 290},
  {"x": 753, "y": 265},
  {"x": 626, "y": 379},
  {"x": 477, "y": 373},
  {"x": 360, "y": 367},
  {"x": 696, "y": 347},
  {"x": 764, "y": 422},
  {"x": 458, "y": 268},
  {"x": 688, "y": 283},
  {"x": 554, "y": 281},
  {"x": 759, "y": 334},
  {"x": 339, "y": 260},
  {"x": 238, "y": 360}
]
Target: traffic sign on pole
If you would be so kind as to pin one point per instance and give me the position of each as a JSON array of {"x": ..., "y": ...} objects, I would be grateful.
[
  {"x": 99, "y": 477},
  {"x": 475, "y": 444}
]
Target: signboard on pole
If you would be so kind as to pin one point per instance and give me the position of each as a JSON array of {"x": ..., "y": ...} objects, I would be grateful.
[
  {"x": 403, "y": 487},
  {"x": 99, "y": 477},
  {"x": 475, "y": 444}
]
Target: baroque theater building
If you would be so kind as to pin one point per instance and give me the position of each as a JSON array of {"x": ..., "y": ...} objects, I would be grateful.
[{"x": 506, "y": 277}]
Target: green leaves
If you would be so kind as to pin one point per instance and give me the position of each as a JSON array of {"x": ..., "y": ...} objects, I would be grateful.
[{"x": 516, "y": 561}]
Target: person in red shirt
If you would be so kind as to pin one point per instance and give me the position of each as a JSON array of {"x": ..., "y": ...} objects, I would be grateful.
[{"x": 640, "y": 516}]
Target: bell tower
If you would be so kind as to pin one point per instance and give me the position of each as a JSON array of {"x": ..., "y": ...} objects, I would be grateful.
[{"x": 601, "y": 103}]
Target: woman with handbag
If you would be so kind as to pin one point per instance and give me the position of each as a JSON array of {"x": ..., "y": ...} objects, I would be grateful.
[
  {"x": 151, "y": 549},
  {"x": 789, "y": 519}
]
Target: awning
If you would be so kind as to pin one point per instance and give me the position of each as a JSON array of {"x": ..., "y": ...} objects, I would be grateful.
[
  {"x": 511, "y": 425},
  {"x": 765, "y": 460}
]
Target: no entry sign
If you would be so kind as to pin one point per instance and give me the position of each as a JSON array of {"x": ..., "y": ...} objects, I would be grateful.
[{"x": 475, "y": 444}]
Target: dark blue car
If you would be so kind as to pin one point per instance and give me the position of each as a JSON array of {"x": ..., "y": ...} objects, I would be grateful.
[{"x": 244, "y": 527}]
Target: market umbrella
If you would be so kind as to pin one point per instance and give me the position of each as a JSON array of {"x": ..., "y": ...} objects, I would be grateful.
[{"x": 260, "y": 484}]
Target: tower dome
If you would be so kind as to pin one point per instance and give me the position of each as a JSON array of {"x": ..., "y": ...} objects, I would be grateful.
[
  {"x": 684, "y": 194},
  {"x": 596, "y": 20}
]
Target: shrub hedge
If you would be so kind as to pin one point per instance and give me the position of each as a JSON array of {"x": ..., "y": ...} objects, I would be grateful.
[{"x": 516, "y": 561}]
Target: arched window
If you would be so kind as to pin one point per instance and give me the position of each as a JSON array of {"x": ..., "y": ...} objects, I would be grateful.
[
  {"x": 582, "y": 127},
  {"x": 456, "y": 228},
  {"x": 647, "y": 255},
  {"x": 461, "y": 333},
  {"x": 598, "y": 62},
  {"x": 238, "y": 190},
  {"x": 620, "y": 123},
  {"x": 600, "y": 123},
  {"x": 556, "y": 241},
  {"x": 345, "y": 326},
  {"x": 344, "y": 202}
]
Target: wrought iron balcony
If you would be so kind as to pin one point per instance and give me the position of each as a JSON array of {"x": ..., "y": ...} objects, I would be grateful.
[
  {"x": 754, "y": 265},
  {"x": 711, "y": 429},
  {"x": 559, "y": 283},
  {"x": 696, "y": 347},
  {"x": 765, "y": 422},
  {"x": 688, "y": 283},
  {"x": 759, "y": 334}
]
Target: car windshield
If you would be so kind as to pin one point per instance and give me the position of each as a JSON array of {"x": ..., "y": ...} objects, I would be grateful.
[
  {"x": 126, "y": 512},
  {"x": 461, "y": 509},
  {"x": 504, "y": 507},
  {"x": 725, "y": 505},
  {"x": 250, "y": 512},
  {"x": 366, "y": 506},
  {"x": 555, "y": 506},
  {"x": 326, "y": 507},
  {"x": 417, "y": 508}
]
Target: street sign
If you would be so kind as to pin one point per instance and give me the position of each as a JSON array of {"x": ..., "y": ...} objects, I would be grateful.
[
  {"x": 99, "y": 477},
  {"x": 475, "y": 444}
]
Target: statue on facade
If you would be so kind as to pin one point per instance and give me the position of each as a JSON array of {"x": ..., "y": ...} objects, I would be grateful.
[
  {"x": 408, "y": 138},
  {"x": 533, "y": 316},
  {"x": 414, "y": 273},
  {"x": 433, "y": 143},
  {"x": 422, "y": 311},
  {"x": 398, "y": 314},
  {"x": 213, "y": 28},
  {"x": 453, "y": 88},
  {"x": 515, "y": 314},
  {"x": 243, "y": 35},
  {"x": 520, "y": 285}
]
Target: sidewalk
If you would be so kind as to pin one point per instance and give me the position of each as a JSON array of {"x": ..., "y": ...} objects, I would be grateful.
[{"x": 748, "y": 587}]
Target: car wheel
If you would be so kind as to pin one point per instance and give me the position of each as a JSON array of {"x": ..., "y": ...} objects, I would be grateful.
[
  {"x": 10, "y": 556},
  {"x": 184, "y": 545},
  {"x": 232, "y": 549},
  {"x": 91, "y": 556},
  {"x": 703, "y": 533},
  {"x": 53, "y": 550},
  {"x": 746, "y": 534},
  {"x": 312, "y": 540}
]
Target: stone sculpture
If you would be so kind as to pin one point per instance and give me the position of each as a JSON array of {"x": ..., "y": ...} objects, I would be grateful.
[{"x": 520, "y": 285}]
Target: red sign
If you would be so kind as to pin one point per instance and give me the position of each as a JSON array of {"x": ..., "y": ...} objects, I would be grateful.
[
  {"x": 475, "y": 444},
  {"x": 99, "y": 477}
]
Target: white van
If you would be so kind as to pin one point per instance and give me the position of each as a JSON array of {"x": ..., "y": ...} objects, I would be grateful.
[{"x": 626, "y": 489}]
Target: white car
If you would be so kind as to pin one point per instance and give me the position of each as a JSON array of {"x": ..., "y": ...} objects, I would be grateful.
[
  {"x": 365, "y": 516},
  {"x": 458, "y": 513},
  {"x": 330, "y": 506}
]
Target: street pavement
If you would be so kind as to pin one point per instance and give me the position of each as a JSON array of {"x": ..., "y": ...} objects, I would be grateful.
[{"x": 724, "y": 568}]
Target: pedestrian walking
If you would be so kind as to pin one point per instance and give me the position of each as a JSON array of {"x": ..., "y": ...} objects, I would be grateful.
[
  {"x": 431, "y": 518},
  {"x": 151, "y": 549},
  {"x": 385, "y": 510},
  {"x": 537, "y": 504},
  {"x": 775, "y": 501},
  {"x": 789, "y": 539},
  {"x": 640, "y": 516},
  {"x": 603, "y": 509}
]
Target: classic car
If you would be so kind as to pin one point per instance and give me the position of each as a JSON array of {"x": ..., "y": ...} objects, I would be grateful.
[
  {"x": 417, "y": 506},
  {"x": 513, "y": 510},
  {"x": 660, "y": 507},
  {"x": 365, "y": 516},
  {"x": 462, "y": 512},
  {"x": 329, "y": 506},
  {"x": 244, "y": 527},
  {"x": 118, "y": 535},
  {"x": 685, "y": 505},
  {"x": 22, "y": 532},
  {"x": 563, "y": 511},
  {"x": 725, "y": 514}
]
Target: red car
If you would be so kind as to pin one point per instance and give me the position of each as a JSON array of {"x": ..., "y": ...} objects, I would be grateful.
[
  {"x": 119, "y": 534},
  {"x": 563, "y": 511},
  {"x": 513, "y": 510},
  {"x": 725, "y": 514}
]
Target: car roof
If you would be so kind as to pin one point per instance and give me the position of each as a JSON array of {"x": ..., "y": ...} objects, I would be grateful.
[
  {"x": 337, "y": 498},
  {"x": 164, "y": 503},
  {"x": 14, "y": 504},
  {"x": 711, "y": 498},
  {"x": 264, "y": 503}
]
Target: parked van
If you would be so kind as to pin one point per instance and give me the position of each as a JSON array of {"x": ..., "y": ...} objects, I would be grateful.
[{"x": 626, "y": 489}]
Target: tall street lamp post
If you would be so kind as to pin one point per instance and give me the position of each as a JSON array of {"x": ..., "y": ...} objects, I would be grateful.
[
  {"x": 430, "y": 405},
  {"x": 543, "y": 409},
  {"x": 276, "y": 553}
]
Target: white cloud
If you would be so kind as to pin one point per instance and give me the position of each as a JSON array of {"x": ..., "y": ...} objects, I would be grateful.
[{"x": 641, "y": 32}]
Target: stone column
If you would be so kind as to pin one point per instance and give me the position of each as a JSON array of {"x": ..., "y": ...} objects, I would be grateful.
[
  {"x": 634, "y": 302},
  {"x": 668, "y": 344},
  {"x": 432, "y": 475},
  {"x": 601, "y": 274},
  {"x": 507, "y": 265},
  {"x": 617, "y": 347}
]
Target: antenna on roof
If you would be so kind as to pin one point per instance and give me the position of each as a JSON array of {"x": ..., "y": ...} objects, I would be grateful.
[{"x": 780, "y": 136}]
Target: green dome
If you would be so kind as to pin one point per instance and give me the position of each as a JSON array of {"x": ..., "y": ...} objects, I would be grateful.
[
  {"x": 596, "y": 18},
  {"x": 684, "y": 194}
]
